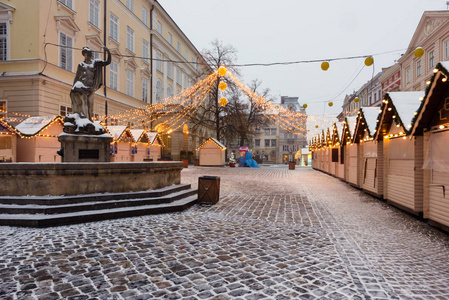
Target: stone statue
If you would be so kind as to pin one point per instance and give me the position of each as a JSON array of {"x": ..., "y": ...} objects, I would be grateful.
[{"x": 88, "y": 79}]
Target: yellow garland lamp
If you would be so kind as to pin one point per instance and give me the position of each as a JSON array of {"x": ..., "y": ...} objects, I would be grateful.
[
  {"x": 356, "y": 99},
  {"x": 325, "y": 65},
  {"x": 222, "y": 86},
  {"x": 369, "y": 61},
  {"x": 222, "y": 71},
  {"x": 418, "y": 52},
  {"x": 223, "y": 101},
  {"x": 330, "y": 104}
]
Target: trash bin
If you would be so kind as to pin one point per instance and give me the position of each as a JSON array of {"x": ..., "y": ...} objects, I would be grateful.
[
  {"x": 208, "y": 189},
  {"x": 291, "y": 165}
]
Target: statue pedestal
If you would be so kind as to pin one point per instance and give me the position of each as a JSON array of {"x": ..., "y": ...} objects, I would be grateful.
[{"x": 85, "y": 148}]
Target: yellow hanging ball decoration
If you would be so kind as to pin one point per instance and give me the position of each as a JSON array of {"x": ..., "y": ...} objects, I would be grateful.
[
  {"x": 369, "y": 61},
  {"x": 316, "y": 126},
  {"x": 305, "y": 106},
  {"x": 324, "y": 65},
  {"x": 419, "y": 52},
  {"x": 356, "y": 99},
  {"x": 222, "y": 86},
  {"x": 222, "y": 71},
  {"x": 330, "y": 104},
  {"x": 223, "y": 101}
]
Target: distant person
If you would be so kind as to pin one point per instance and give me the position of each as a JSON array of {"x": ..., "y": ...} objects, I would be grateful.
[{"x": 88, "y": 79}]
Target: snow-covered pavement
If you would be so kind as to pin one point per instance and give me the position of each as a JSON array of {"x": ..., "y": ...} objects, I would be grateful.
[{"x": 274, "y": 234}]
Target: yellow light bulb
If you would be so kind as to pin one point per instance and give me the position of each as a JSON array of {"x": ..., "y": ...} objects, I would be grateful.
[
  {"x": 324, "y": 65},
  {"x": 330, "y": 104},
  {"x": 222, "y": 86},
  {"x": 304, "y": 105},
  {"x": 222, "y": 71},
  {"x": 419, "y": 52},
  {"x": 369, "y": 61},
  {"x": 356, "y": 99},
  {"x": 223, "y": 101}
]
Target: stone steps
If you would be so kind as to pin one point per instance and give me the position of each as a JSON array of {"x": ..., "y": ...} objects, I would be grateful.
[{"x": 48, "y": 211}]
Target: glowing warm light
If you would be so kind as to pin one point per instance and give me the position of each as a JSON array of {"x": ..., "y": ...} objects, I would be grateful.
[
  {"x": 369, "y": 61},
  {"x": 223, "y": 101},
  {"x": 444, "y": 79},
  {"x": 428, "y": 82},
  {"x": 325, "y": 65},
  {"x": 222, "y": 86},
  {"x": 441, "y": 127},
  {"x": 419, "y": 52},
  {"x": 435, "y": 70},
  {"x": 222, "y": 71}
]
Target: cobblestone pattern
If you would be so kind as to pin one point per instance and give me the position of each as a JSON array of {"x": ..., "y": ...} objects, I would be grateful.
[{"x": 274, "y": 234}]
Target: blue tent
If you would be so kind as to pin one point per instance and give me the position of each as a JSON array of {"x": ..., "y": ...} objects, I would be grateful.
[{"x": 249, "y": 161}]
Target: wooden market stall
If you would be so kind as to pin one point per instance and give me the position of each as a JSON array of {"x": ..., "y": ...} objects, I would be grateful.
[
  {"x": 336, "y": 160},
  {"x": 121, "y": 144},
  {"x": 140, "y": 147},
  {"x": 154, "y": 151},
  {"x": 212, "y": 153},
  {"x": 432, "y": 123},
  {"x": 39, "y": 139},
  {"x": 328, "y": 153},
  {"x": 351, "y": 152},
  {"x": 8, "y": 142},
  {"x": 403, "y": 153},
  {"x": 370, "y": 151}
]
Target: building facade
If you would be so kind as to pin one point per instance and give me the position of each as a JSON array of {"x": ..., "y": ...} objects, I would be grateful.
[
  {"x": 152, "y": 59},
  {"x": 432, "y": 35}
]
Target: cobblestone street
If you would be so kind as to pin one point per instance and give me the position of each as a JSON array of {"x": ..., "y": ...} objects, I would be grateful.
[{"x": 274, "y": 234}]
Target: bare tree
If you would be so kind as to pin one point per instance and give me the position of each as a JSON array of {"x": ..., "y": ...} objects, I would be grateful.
[
  {"x": 210, "y": 113},
  {"x": 244, "y": 114}
]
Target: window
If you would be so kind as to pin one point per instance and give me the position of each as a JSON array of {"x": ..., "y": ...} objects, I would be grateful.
[
  {"x": 257, "y": 130},
  {"x": 285, "y": 148},
  {"x": 170, "y": 38},
  {"x": 446, "y": 50},
  {"x": 169, "y": 92},
  {"x": 158, "y": 90},
  {"x": 159, "y": 27},
  {"x": 408, "y": 75},
  {"x": 64, "y": 110},
  {"x": 113, "y": 27},
  {"x": 267, "y": 131},
  {"x": 145, "y": 16},
  {"x": 159, "y": 61},
  {"x": 113, "y": 75},
  {"x": 187, "y": 55},
  {"x": 130, "y": 4},
  {"x": 67, "y": 3},
  {"x": 178, "y": 75},
  {"x": 431, "y": 60},
  {"x": 334, "y": 155},
  {"x": 145, "y": 90},
  {"x": 380, "y": 94},
  {"x": 418, "y": 68},
  {"x": 267, "y": 143},
  {"x": 94, "y": 9},
  {"x": 273, "y": 143},
  {"x": 184, "y": 80},
  {"x": 3, "y": 41},
  {"x": 65, "y": 54},
  {"x": 257, "y": 142},
  {"x": 3, "y": 108},
  {"x": 130, "y": 39},
  {"x": 273, "y": 131},
  {"x": 169, "y": 69},
  {"x": 145, "y": 51},
  {"x": 179, "y": 47},
  {"x": 130, "y": 83}
]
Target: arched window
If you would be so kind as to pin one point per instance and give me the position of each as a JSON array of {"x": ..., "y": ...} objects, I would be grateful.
[
  {"x": 158, "y": 90},
  {"x": 169, "y": 92}
]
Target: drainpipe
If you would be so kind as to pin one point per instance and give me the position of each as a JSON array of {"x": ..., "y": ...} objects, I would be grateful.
[
  {"x": 151, "y": 60},
  {"x": 104, "y": 58}
]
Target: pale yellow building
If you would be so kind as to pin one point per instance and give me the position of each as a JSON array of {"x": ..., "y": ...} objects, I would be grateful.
[
  {"x": 432, "y": 34},
  {"x": 40, "y": 48}
]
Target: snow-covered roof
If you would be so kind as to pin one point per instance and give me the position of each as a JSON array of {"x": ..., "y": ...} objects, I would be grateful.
[
  {"x": 152, "y": 135},
  {"x": 305, "y": 151},
  {"x": 406, "y": 104},
  {"x": 215, "y": 141},
  {"x": 352, "y": 121},
  {"x": 116, "y": 131},
  {"x": 445, "y": 64},
  {"x": 137, "y": 133},
  {"x": 34, "y": 125},
  {"x": 370, "y": 114}
]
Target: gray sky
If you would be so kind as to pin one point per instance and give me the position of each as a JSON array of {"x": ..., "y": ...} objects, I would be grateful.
[{"x": 295, "y": 30}]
